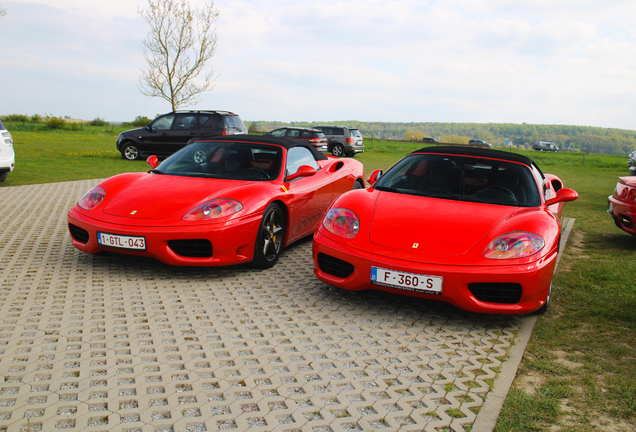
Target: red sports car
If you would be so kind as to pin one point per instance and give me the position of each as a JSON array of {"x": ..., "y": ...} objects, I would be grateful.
[
  {"x": 222, "y": 201},
  {"x": 473, "y": 227},
  {"x": 622, "y": 204}
]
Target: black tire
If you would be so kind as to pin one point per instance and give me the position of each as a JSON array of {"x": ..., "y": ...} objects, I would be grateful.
[
  {"x": 543, "y": 309},
  {"x": 358, "y": 185},
  {"x": 269, "y": 240},
  {"x": 130, "y": 152},
  {"x": 337, "y": 150},
  {"x": 3, "y": 176}
]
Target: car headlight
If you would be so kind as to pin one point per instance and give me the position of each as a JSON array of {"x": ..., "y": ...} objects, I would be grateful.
[
  {"x": 213, "y": 209},
  {"x": 341, "y": 222},
  {"x": 92, "y": 198},
  {"x": 516, "y": 244}
]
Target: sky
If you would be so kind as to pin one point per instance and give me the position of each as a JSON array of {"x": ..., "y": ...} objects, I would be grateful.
[{"x": 567, "y": 62}]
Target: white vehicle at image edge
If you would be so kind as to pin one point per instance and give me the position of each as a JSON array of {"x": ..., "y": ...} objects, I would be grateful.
[{"x": 7, "y": 155}]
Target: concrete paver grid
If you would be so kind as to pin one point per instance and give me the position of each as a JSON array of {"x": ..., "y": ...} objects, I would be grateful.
[{"x": 113, "y": 343}]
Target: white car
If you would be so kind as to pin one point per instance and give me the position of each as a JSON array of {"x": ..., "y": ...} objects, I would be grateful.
[
  {"x": 7, "y": 155},
  {"x": 631, "y": 163}
]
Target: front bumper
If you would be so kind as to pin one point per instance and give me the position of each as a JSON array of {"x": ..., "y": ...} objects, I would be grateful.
[
  {"x": 532, "y": 281},
  {"x": 231, "y": 243}
]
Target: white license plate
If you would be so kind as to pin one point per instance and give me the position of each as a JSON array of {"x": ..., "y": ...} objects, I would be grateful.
[
  {"x": 407, "y": 281},
  {"x": 121, "y": 241}
]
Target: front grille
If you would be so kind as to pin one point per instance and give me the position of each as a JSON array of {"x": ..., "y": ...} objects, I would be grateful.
[
  {"x": 196, "y": 248},
  {"x": 506, "y": 293},
  {"x": 79, "y": 234},
  {"x": 334, "y": 266}
]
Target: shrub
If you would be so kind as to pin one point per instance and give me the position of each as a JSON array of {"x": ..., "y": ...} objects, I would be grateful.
[
  {"x": 140, "y": 121},
  {"x": 55, "y": 123},
  {"x": 98, "y": 122},
  {"x": 36, "y": 118},
  {"x": 16, "y": 118}
]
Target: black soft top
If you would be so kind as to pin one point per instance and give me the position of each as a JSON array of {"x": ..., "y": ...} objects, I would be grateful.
[
  {"x": 477, "y": 152},
  {"x": 283, "y": 142}
]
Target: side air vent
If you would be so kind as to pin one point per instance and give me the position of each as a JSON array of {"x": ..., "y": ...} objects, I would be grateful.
[
  {"x": 191, "y": 248},
  {"x": 79, "y": 234},
  {"x": 505, "y": 293},
  {"x": 334, "y": 266}
]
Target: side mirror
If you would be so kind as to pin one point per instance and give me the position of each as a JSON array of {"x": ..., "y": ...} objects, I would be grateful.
[
  {"x": 153, "y": 161},
  {"x": 303, "y": 171},
  {"x": 375, "y": 175},
  {"x": 563, "y": 195}
]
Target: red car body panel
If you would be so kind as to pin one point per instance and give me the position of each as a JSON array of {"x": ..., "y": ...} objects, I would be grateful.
[
  {"x": 622, "y": 204},
  {"x": 444, "y": 238},
  {"x": 152, "y": 206}
]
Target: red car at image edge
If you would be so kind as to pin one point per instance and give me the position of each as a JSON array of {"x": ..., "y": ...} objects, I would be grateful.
[
  {"x": 227, "y": 200},
  {"x": 476, "y": 228},
  {"x": 621, "y": 205}
]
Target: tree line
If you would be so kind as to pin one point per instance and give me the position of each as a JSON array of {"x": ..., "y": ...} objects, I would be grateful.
[{"x": 587, "y": 139}]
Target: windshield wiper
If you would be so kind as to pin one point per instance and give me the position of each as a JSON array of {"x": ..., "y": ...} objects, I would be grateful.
[
  {"x": 156, "y": 171},
  {"x": 387, "y": 189},
  {"x": 471, "y": 199}
]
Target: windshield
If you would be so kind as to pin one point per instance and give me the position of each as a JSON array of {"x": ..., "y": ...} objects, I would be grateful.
[
  {"x": 224, "y": 160},
  {"x": 462, "y": 178},
  {"x": 233, "y": 122}
]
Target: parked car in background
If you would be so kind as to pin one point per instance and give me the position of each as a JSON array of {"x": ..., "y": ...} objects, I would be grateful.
[
  {"x": 479, "y": 143},
  {"x": 7, "y": 154},
  {"x": 343, "y": 140},
  {"x": 631, "y": 162},
  {"x": 430, "y": 140},
  {"x": 621, "y": 205},
  {"x": 170, "y": 132},
  {"x": 314, "y": 137},
  {"x": 545, "y": 146},
  {"x": 477, "y": 228},
  {"x": 223, "y": 201}
]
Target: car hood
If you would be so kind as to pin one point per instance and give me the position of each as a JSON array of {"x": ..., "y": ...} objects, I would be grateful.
[
  {"x": 156, "y": 196},
  {"x": 434, "y": 226}
]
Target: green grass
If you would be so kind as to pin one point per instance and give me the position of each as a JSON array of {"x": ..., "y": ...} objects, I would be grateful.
[
  {"x": 65, "y": 155},
  {"x": 579, "y": 369}
]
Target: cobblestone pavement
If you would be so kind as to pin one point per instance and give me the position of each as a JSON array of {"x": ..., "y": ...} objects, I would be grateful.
[{"x": 113, "y": 343}]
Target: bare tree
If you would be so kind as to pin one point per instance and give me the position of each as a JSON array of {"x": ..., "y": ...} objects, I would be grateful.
[
  {"x": 180, "y": 42},
  {"x": 3, "y": 11}
]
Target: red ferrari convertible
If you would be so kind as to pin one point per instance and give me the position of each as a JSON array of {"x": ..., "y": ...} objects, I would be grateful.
[
  {"x": 622, "y": 204},
  {"x": 223, "y": 201},
  {"x": 473, "y": 227}
]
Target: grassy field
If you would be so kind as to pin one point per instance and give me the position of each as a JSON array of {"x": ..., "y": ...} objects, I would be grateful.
[{"x": 579, "y": 369}]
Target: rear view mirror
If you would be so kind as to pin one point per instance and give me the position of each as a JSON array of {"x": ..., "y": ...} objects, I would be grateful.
[
  {"x": 375, "y": 175},
  {"x": 153, "y": 161},
  {"x": 303, "y": 171},
  {"x": 563, "y": 195}
]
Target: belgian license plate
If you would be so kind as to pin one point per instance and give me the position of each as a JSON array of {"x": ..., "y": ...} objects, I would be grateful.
[
  {"x": 121, "y": 241},
  {"x": 406, "y": 281}
]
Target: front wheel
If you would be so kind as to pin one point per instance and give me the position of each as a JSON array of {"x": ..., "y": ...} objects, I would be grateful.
[
  {"x": 337, "y": 150},
  {"x": 130, "y": 152},
  {"x": 543, "y": 309},
  {"x": 3, "y": 176},
  {"x": 269, "y": 240}
]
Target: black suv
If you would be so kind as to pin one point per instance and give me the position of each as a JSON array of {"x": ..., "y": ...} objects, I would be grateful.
[
  {"x": 343, "y": 140},
  {"x": 170, "y": 132}
]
